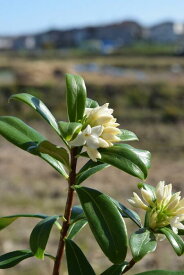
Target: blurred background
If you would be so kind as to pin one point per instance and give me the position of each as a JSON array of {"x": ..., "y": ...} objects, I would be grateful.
[{"x": 131, "y": 54}]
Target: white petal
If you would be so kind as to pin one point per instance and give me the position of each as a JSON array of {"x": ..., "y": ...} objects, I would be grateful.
[
  {"x": 97, "y": 130},
  {"x": 92, "y": 141},
  {"x": 147, "y": 196},
  {"x": 139, "y": 202},
  {"x": 103, "y": 143},
  {"x": 87, "y": 130},
  {"x": 79, "y": 140},
  {"x": 93, "y": 154},
  {"x": 160, "y": 190}
]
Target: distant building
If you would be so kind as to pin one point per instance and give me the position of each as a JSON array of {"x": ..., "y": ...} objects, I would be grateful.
[
  {"x": 6, "y": 43},
  {"x": 167, "y": 32}
]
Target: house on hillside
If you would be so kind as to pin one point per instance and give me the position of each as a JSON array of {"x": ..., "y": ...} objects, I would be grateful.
[
  {"x": 167, "y": 32},
  {"x": 6, "y": 43}
]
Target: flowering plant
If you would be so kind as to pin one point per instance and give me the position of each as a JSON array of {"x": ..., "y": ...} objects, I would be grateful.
[{"x": 92, "y": 132}]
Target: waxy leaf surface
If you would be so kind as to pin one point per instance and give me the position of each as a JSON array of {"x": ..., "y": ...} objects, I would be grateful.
[
  {"x": 142, "y": 242},
  {"x": 106, "y": 223},
  {"x": 76, "y": 260},
  {"x": 175, "y": 240}
]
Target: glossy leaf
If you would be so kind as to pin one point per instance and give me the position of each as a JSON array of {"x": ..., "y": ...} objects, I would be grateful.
[
  {"x": 90, "y": 103},
  {"x": 26, "y": 138},
  {"x": 161, "y": 272},
  {"x": 58, "y": 153},
  {"x": 106, "y": 223},
  {"x": 142, "y": 242},
  {"x": 39, "y": 106},
  {"x": 89, "y": 169},
  {"x": 7, "y": 220},
  {"x": 78, "y": 221},
  {"x": 13, "y": 258},
  {"x": 76, "y": 97},
  {"x": 127, "y": 135},
  {"x": 40, "y": 235},
  {"x": 76, "y": 260},
  {"x": 55, "y": 164},
  {"x": 76, "y": 228},
  {"x": 175, "y": 240},
  {"x": 127, "y": 158},
  {"x": 128, "y": 213},
  {"x": 69, "y": 129},
  {"x": 115, "y": 269}
]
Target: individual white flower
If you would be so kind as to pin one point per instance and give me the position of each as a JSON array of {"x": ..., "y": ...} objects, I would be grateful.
[
  {"x": 162, "y": 209},
  {"x": 90, "y": 137},
  {"x": 102, "y": 115}
]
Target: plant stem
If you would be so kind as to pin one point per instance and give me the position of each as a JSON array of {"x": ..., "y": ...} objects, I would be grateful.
[
  {"x": 67, "y": 213},
  {"x": 129, "y": 266}
]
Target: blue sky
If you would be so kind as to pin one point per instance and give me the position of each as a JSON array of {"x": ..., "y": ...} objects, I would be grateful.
[{"x": 26, "y": 16}]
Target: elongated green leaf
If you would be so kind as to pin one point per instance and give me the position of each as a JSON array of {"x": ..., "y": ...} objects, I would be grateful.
[
  {"x": 26, "y": 138},
  {"x": 76, "y": 260},
  {"x": 55, "y": 164},
  {"x": 78, "y": 221},
  {"x": 7, "y": 220},
  {"x": 76, "y": 97},
  {"x": 58, "y": 153},
  {"x": 127, "y": 158},
  {"x": 127, "y": 135},
  {"x": 161, "y": 272},
  {"x": 13, "y": 258},
  {"x": 40, "y": 235},
  {"x": 128, "y": 213},
  {"x": 105, "y": 222},
  {"x": 76, "y": 228},
  {"x": 69, "y": 129},
  {"x": 142, "y": 242},
  {"x": 115, "y": 269},
  {"x": 175, "y": 240},
  {"x": 19, "y": 133},
  {"x": 39, "y": 106},
  {"x": 89, "y": 169},
  {"x": 90, "y": 103}
]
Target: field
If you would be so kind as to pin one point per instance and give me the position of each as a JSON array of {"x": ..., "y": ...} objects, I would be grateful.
[{"x": 148, "y": 97}]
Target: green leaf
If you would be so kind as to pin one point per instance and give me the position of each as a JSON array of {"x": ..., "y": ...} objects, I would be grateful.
[
  {"x": 39, "y": 106},
  {"x": 69, "y": 129},
  {"x": 76, "y": 260},
  {"x": 55, "y": 164},
  {"x": 90, "y": 103},
  {"x": 19, "y": 133},
  {"x": 175, "y": 240},
  {"x": 115, "y": 269},
  {"x": 89, "y": 169},
  {"x": 142, "y": 242},
  {"x": 7, "y": 220},
  {"x": 127, "y": 158},
  {"x": 26, "y": 138},
  {"x": 40, "y": 235},
  {"x": 13, "y": 258},
  {"x": 76, "y": 227},
  {"x": 106, "y": 223},
  {"x": 161, "y": 272},
  {"x": 58, "y": 153},
  {"x": 78, "y": 221},
  {"x": 76, "y": 97},
  {"x": 127, "y": 135},
  {"x": 128, "y": 213}
]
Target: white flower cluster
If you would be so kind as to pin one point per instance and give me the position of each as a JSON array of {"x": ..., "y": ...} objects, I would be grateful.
[
  {"x": 101, "y": 131},
  {"x": 165, "y": 209}
]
